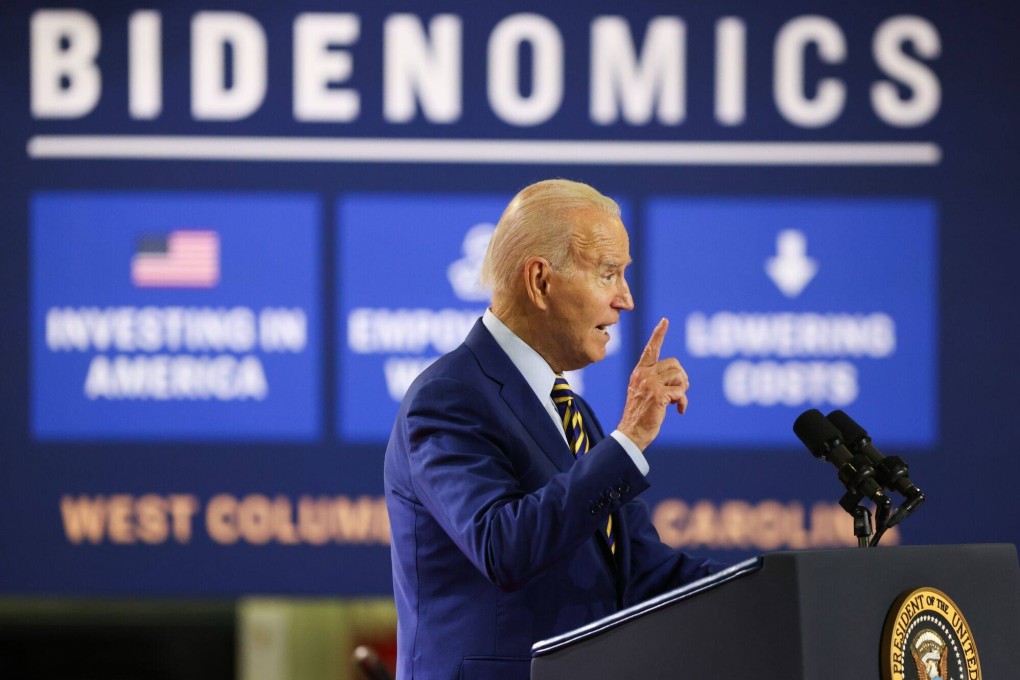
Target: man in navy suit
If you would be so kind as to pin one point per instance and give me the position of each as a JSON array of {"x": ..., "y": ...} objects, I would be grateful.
[{"x": 501, "y": 536}]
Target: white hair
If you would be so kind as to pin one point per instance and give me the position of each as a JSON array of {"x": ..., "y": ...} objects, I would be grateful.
[{"x": 539, "y": 221}]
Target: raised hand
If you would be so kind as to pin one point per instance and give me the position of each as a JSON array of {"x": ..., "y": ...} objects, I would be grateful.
[{"x": 654, "y": 384}]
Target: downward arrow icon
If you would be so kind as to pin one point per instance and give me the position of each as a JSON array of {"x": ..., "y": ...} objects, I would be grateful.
[{"x": 791, "y": 269}]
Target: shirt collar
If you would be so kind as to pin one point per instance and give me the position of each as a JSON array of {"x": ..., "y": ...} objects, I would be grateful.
[{"x": 533, "y": 367}]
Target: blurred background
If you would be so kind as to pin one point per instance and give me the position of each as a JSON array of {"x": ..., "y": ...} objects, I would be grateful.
[{"x": 233, "y": 233}]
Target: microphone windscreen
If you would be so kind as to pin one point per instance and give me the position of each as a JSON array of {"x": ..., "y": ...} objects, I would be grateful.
[
  {"x": 852, "y": 432},
  {"x": 814, "y": 430}
]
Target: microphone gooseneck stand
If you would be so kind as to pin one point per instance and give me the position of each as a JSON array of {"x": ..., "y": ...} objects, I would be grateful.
[
  {"x": 890, "y": 471},
  {"x": 863, "y": 528},
  {"x": 863, "y": 471}
]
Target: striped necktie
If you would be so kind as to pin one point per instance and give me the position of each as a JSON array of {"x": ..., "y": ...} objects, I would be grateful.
[{"x": 573, "y": 426}]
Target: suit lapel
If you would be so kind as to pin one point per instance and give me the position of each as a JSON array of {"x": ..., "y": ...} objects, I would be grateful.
[
  {"x": 518, "y": 396},
  {"x": 521, "y": 399}
]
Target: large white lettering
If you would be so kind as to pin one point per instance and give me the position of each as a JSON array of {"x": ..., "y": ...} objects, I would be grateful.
[
  {"x": 790, "y": 383},
  {"x": 638, "y": 87},
  {"x": 816, "y": 349},
  {"x": 407, "y": 331},
  {"x": 66, "y": 82},
  {"x": 150, "y": 329},
  {"x": 212, "y": 34},
  {"x": 175, "y": 329},
  {"x": 283, "y": 330},
  {"x": 728, "y": 334},
  {"x": 788, "y": 84},
  {"x": 166, "y": 377},
  {"x": 145, "y": 77},
  {"x": 504, "y": 85},
  {"x": 730, "y": 70},
  {"x": 319, "y": 68},
  {"x": 420, "y": 71},
  {"x": 926, "y": 92}
]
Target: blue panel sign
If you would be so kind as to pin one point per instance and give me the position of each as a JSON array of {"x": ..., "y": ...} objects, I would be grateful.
[
  {"x": 409, "y": 293},
  {"x": 786, "y": 305},
  {"x": 175, "y": 316}
]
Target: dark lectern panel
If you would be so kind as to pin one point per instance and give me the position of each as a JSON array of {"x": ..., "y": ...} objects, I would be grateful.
[{"x": 803, "y": 615}]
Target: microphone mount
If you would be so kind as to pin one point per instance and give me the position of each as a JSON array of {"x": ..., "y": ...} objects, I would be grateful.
[
  {"x": 891, "y": 471},
  {"x": 855, "y": 471}
]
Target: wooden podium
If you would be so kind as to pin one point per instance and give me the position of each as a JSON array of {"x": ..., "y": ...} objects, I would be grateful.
[{"x": 802, "y": 616}]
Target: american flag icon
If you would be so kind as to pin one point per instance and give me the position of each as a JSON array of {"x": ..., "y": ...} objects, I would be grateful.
[{"x": 185, "y": 258}]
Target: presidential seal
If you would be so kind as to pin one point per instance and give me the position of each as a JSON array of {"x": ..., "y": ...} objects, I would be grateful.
[{"x": 926, "y": 637}]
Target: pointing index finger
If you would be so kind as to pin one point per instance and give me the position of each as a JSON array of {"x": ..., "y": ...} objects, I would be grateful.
[{"x": 650, "y": 354}]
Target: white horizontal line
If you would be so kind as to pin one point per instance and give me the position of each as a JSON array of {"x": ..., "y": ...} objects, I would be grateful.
[{"x": 496, "y": 151}]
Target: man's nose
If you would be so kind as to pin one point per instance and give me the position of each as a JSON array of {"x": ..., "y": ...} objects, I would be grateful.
[{"x": 623, "y": 299}]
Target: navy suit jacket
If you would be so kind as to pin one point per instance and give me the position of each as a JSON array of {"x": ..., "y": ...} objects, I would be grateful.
[{"x": 497, "y": 531}]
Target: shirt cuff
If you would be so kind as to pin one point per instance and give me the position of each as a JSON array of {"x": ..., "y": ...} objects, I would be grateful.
[{"x": 632, "y": 450}]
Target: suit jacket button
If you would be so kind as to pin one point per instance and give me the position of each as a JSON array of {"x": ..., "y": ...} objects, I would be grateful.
[
  {"x": 595, "y": 508},
  {"x": 623, "y": 487},
  {"x": 614, "y": 494}
]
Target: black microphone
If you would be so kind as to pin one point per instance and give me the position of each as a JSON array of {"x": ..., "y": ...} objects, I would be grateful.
[
  {"x": 891, "y": 471},
  {"x": 825, "y": 442}
]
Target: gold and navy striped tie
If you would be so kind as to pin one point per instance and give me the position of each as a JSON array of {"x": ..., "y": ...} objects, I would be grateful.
[{"x": 573, "y": 426}]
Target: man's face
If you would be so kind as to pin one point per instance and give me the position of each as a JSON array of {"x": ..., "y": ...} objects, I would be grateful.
[{"x": 585, "y": 302}]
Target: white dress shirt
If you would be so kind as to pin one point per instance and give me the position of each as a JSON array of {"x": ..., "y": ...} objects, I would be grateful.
[{"x": 540, "y": 377}]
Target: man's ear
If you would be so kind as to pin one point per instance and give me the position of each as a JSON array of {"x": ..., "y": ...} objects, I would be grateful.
[{"x": 537, "y": 281}]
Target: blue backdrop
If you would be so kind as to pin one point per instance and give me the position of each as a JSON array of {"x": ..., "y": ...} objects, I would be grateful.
[{"x": 232, "y": 237}]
